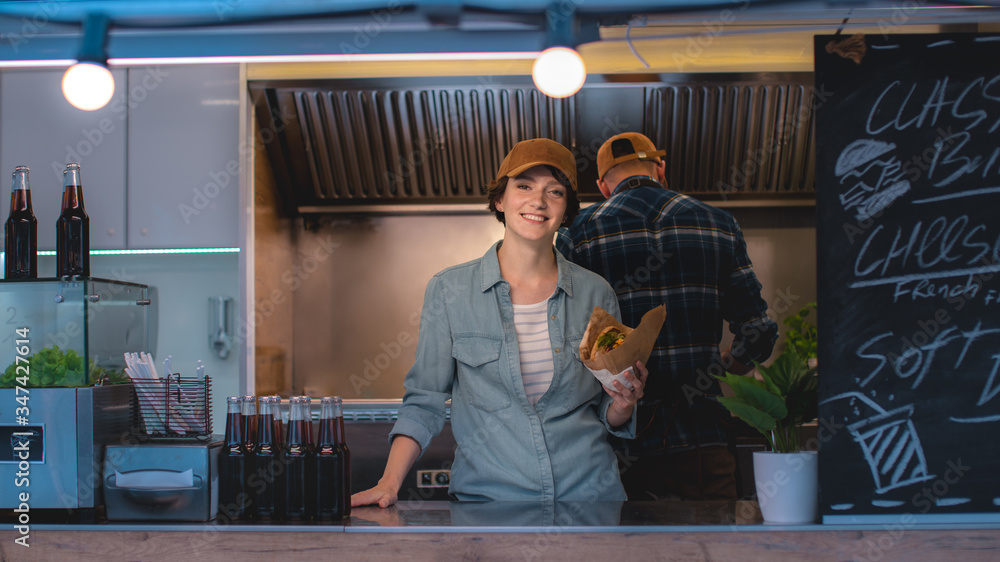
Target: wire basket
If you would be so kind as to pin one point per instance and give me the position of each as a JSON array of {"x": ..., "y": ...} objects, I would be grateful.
[{"x": 173, "y": 406}]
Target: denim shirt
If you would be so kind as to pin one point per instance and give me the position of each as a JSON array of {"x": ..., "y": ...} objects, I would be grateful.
[{"x": 467, "y": 351}]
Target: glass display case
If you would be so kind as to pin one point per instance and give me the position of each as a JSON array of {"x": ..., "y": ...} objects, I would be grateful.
[{"x": 71, "y": 332}]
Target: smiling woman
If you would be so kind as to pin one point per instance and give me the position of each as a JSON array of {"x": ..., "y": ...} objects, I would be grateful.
[
  {"x": 541, "y": 153},
  {"x": 497, "y": 338},
  {"x": 536, "y": 202}
]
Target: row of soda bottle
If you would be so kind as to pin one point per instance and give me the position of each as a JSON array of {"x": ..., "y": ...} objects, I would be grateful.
[
  {"x": 72, "y": 229},
  {"x": 270, "y": 473}
]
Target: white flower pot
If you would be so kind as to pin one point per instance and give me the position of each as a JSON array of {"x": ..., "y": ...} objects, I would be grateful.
[{"x": 787, "y": 486}]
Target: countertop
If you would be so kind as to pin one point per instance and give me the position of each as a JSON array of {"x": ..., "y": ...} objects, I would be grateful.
[
  {"x": 480, "y": 517},
  {"x": 501, "y": 516},
  {"x": 570, "y": 531}
]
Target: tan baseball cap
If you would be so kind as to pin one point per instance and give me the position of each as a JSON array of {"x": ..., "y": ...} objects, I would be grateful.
[
  {"x": 537, "y": 152},
  {"x": 624, "y": 147}
]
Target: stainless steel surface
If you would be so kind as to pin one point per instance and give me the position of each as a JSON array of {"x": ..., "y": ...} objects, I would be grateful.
[
  {"x": 352, "y": 288},
  {"x": 198, "y": 502},
  {"x": 220, "y": 325},
  {"x": 416, "y": 144},
  {"x": 371, "y": 410},
  {"x": 339, "y": 296},
  {"x": 367, "y": 427},
  {"x": 389, "y": 209},
  {"x": 88, "y": 481},
  {"x": 369, "y": 443},
  {"x": 58, "y": 472},
  {"x": 352, "y": 322},
  {"x": 406, "y": 141},
  {"x": 102, "y": 418},
  {"x": 77, "y": 423},
  {"x": 731, "y": 137}
]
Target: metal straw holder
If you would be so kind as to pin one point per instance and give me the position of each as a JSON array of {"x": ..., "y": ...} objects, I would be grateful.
[{"x": 173, "y": 406}]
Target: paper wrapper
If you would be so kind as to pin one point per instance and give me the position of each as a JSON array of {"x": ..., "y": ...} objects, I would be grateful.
[{"x": 638, "y": 345}]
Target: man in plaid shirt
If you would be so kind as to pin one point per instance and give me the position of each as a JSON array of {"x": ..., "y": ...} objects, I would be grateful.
[{"x": 655, "y": 246}]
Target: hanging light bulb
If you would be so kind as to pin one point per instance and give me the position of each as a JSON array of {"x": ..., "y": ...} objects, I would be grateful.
[
  {"x": 88, "y": 84},
  {"x": 559, "y": 72}
]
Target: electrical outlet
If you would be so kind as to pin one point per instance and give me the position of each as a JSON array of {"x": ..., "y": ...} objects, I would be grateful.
[{"x": 433, "y": 478}]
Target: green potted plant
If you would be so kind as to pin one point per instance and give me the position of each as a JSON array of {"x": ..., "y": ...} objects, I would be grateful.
[
  {"x": 801, "y": 334},
  {"x": 777, "y": 404}
]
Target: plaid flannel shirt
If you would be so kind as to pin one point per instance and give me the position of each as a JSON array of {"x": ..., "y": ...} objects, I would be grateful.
[{"x": 655, "y": 246}]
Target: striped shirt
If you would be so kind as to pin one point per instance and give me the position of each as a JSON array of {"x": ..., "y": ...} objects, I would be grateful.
[
  {"x": 532, "y": 327},
  {"x": 655, "y": 246}
]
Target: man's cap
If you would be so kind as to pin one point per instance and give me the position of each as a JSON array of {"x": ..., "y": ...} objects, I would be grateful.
[
  {"x": 538, "y": 152},
  {"x": 624, "y": 147}
]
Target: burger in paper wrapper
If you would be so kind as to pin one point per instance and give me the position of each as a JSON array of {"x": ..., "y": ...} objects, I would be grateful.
[{"x": 609, "y": 348}]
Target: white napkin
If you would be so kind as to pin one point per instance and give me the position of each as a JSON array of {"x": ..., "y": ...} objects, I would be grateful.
[
  {"x": 155, "y": 479},
  {"x": 606, "y": 377}
]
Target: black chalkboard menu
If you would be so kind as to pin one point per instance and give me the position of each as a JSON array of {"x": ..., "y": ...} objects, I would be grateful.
[{"x": 908, "y": 240}]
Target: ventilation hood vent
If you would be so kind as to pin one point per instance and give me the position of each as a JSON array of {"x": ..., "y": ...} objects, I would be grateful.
[
  {"x": 751, "y": 139},
  {"x": 412, "y": 145}
]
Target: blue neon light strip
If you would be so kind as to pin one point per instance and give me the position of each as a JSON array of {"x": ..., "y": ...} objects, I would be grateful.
[{"x": 153, "y": 251}]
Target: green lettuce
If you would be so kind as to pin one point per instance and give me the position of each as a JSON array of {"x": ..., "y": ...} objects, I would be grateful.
[{"x": 51, "y": 366}]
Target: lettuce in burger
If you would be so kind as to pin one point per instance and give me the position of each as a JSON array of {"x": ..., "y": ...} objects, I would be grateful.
[{"x": 609, "y": 338}]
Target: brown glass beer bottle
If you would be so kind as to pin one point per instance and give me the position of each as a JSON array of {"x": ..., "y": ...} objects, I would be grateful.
[
  {"x": 233, "y": 465},
  {"x": 279, "y": 426},
  {"x": 300, "y": 473},
  {"x": 332, "y": 504},
  {"x": 341, "y": 438},
  {"x": 267, "y": 480},
  {"x": 249, "y": 411},
  {"x": 21, "y": 228},
  {"x": 307, "y": 405},
  {"x": 72, "y": 228}
]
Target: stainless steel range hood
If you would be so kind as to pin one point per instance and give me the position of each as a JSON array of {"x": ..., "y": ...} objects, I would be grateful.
[
  {"x": 399, "y": 145},
  {"x": 343, "y": 143}
]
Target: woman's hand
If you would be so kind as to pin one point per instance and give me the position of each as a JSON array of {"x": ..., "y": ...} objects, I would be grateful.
[
  {"x": 382, "y": 516},
  {"x": 382, "y": 495},
  {"x": 402, "y": 454},
  {"x": 621, "y": 409}
]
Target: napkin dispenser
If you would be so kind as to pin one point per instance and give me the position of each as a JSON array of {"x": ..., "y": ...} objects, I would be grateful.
[{"x": 162, "y": 480}]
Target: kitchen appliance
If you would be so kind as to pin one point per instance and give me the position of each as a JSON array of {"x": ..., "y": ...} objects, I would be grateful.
[
  {"x": 68, "y": 429},
  {"x": 65, "y": 335},
  {"x": 431, "y": 144},
  {"x": 168, "y": 470},
  {"x": 162, "y": 479}
]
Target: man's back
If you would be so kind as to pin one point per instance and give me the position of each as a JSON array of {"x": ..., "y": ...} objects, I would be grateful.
[{"x": 656, "y": 246}]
